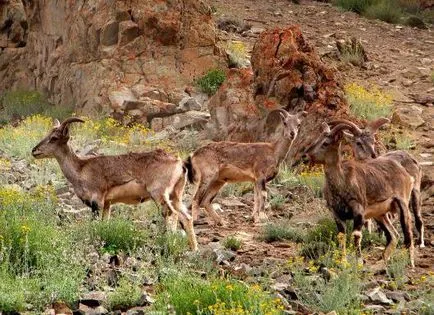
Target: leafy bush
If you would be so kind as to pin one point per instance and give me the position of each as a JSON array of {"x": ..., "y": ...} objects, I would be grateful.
[
  {"x": 277, "y": 201},
  {"x": 172, "y": 244},
  {"x": 126, "y": 295},
  {"x": 396, "y": 267},
  {"x": 366, "y": 104},
  {"x": 118, "y": 235},
  {"x": 385, "y": 10},
  {"x": 19, "y": 104},
  {"x": 358, "y": 6},
  {"x": 34, "y": 252},
  {"x": 19, "y": 141},
  {"x": 191, "y": 294},
  {"x": 340, "y": 293},
  {"x": 281, "y": 231},
  {"x": 396, "y": 140},
  {"x": 232, "y": 243},
  {"x": 312, "y": 178},
  {"x": 211, "y": 81}
]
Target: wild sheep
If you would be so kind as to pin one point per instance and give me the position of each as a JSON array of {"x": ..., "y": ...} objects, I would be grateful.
[
  {"x": 362, "y": 190},
  {"x": 363, "y": 144},
  {"x": 100, "y": 181},
  {"x": 218, "y": 163}
]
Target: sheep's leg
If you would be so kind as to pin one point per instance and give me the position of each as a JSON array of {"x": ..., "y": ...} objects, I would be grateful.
[
  {"x": 209, "y": 196},
  {"x": 106, "y": 212},
  {"x": 170, "y": 218},
  {"x": 195, "y": 200},
  {"x": 389, "y": 218},
  {"x": 368, "y": 225},
  {"x": 405, "y": 219},
  {"x": 259, "y": 214},
  {"x": 416, "y": 207},
  {"x": 358, "y": 223},
  {"x": 342, "y": 239},
  {"x": 184, "y": 217},
  {"x": 391, "y": 240}
]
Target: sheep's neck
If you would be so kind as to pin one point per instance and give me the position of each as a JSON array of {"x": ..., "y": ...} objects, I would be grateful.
[
  {"x": 69, "y": 163},
  {"x": 281, "y": 148},
  {"x": 333, "y": 166}
]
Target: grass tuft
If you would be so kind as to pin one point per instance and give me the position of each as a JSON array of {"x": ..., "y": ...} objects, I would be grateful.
[
  {"x": 368, "y": 104},
  {"x": 211, "y": 81},
  {"x": 385, "y": 10},
  {"x": 281, "y": 231},
  {"x": 232, "y": 243}
]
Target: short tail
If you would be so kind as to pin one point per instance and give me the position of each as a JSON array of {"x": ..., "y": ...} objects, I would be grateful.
[{"x": 188, "y": 165}]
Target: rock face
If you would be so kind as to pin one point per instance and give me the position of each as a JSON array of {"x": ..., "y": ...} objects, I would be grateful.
[
  {"x": 286, "y": 73},
  {"x": 106, "y": 54}
]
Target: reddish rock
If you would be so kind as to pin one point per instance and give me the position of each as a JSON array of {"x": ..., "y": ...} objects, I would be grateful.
[{"x": 286, "y": 73}]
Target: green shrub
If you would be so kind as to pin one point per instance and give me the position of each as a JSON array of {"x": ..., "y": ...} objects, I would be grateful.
[
  {"x": 232, "y": 243},
  {"x": 190, "y": 294},
  {"x": 172, "y": 244},
  {"x": 281, "y": 231},
  {"x": 358, "y": 6},
  {"x": 396, "y": 267},
  {"x": 368, "y": 104},
  {"x": 211, "y": 81},
  {"x": 315, "y": 249},
  {"x": 385, "y": 10},
  {"x": 126, "y": 295},
  {"x": 20, "y": 104},
  {"x": 340, "y": 293},
  {"x": 277, "y": 201},
  {"x": 118, "y": 235},
  {"x": 34, "y": 252},
  {"x": 18, "y": 141}
]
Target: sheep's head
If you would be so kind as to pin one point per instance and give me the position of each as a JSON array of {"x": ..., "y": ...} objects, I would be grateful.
[
  {"x": 57, "y": 137},
  {"x": 291, "y": 123},
  {"x": 329, "y": 140},
  {"x": 364, "y": 144}
]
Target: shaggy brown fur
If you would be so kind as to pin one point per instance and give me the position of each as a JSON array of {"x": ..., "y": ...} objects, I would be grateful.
[
  {"x": 100, "y": 181},
  {"x": 363, "y": 144},
  {"x": 219, "y": 163},
  {"x": 362, "y": 190}
]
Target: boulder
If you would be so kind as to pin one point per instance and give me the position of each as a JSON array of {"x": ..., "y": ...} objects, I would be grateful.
[
  {"x": 88, "y": 54},
  {"x": 410, "y": 117}
]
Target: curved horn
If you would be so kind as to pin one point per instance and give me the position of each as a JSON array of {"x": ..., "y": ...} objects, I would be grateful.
[
  {"x": 69, "y": 120},
  {"x": 281, "y": 110},
  {"x": 339, "y": 127},
  {"x": 354, "y": 128},
  {"x": 373, "y": 126}
]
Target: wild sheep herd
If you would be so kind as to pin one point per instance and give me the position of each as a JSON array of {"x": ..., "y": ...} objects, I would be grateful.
[{"x": 366, "y": 187}]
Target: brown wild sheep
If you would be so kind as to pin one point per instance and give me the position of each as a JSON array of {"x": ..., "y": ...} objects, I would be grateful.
[
  {"x": 100, "y": 181},
  {"x": 356, "y": 190},
  {"x": 363, "y": 144},
  {"x": 218, "y": 163}
]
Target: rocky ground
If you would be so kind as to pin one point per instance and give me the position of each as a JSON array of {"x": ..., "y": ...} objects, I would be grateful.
[{"x": 400, "y": 61}]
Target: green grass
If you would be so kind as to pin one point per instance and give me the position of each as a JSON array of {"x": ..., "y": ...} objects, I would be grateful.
[
  {"x": 277, "y": 201},
  {"x": 281, "y": 231},
  {"x": 126, "y": 295},
  {"x": 187, "y": 293},
  {"x": 385, "y": 10},
  {"x": 211, "y": 81},
  {"x": 35, "y": 253},
  {"x": 396, "y": 267},
  {"x": 118, "y": 235},
  {"x": 232, "y": 243},
  {"x": 358, "y": 6},
  {"x": 340, "y": 293},
  {"x": 368, "y": 104}
]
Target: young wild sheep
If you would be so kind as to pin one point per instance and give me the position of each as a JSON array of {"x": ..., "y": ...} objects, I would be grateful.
[
  {"x": 363, "y": 144},
  {"x": 362, "y": 190},
  {"x": 215, "y": 164},
  {"x": 100, "y": 181}
]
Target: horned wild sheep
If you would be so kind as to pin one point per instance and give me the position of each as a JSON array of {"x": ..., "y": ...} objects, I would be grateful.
[
  {"x": 363, "y": 145},
  {"x": 100, "y": 181},
  {"x": 360, "y": 190}
]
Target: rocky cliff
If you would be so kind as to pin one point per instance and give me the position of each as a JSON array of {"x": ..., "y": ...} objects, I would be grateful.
[{"x": 113, "y": 55}]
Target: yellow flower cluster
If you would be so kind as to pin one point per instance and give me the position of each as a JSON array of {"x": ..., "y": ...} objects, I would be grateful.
[
  {"x": 5, "y": 164},
  {"x": 368, "y": 104}
]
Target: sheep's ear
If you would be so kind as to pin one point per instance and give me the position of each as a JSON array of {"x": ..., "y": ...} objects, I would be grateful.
[
  {"x": 301, "y": 115},
  {"x": 349, "y": 136},
  {"x": 56, "y": 123}
]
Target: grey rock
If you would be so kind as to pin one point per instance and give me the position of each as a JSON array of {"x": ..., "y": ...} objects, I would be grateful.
[
  {"x": 189, "y": 103},
  {"x": 84, "y": 309},
  {"x": 375, "y": 309},
  {"x": 146, "y": 299},
  {"x": 397, "y": 296},
  {"x": 410, "y": 116},
  {"x": 188, "y": 119},
  {"x": 93, "y": 299},
  {"x": 137, "y": 311},
  {"x": 109, "y": 33},
  {"x": 378, "y": 296},
  {"x": 223, "y": 256}
]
